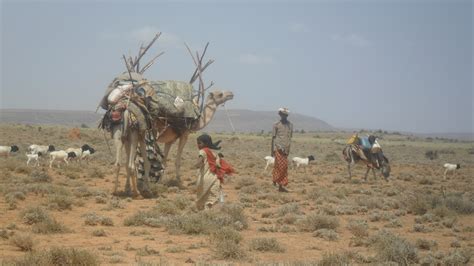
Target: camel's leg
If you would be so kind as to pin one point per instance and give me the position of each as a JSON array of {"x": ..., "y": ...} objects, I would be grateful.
[
  {"x": 117, "y": 135},
  {"x": 166, "y": 152},
  {"x": 182, "y": 141},
  {"x": 373, "y": 171},
  {"x": 366, "y": 173},
  {"x": 349, "y": 170},
  {"x": 132, "y": 154},
  {"x": 128, "y": 190}
]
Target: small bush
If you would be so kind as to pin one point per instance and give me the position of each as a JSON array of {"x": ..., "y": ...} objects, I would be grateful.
[
  {"x": 326, "y": 234},
  {"x": 40, "y": 176},
  {"x": 457, "y": 257},
  {"x": 289, "y": 208},
  {"x": 460, "y": 205},
  {"x": 359, "y": 228},
  {"x": 49, "y": 226},
  {"x": 94, "y": 219},
  {"x": 59, "y": 257},
  {"x": 331, "y": 259},
  {"x": 23, "y": 241},
  {"x": 33, "y": 215},
  {"x": 432, "y": 155},
  {"x": 426, "y": 244},
  {"x": 99, "y": 232},
  {"x": 266, "y": 245},
  {"x": 391, "y": 248},
  {"x": 313, "y": 222},
  {"x": 226, "y": 244},
  {"x": 244, "y": 182},
  {"x": 60, "y": 202}
]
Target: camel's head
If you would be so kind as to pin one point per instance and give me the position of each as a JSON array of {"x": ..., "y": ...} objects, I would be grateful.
[{"x": 219, "y": 97}]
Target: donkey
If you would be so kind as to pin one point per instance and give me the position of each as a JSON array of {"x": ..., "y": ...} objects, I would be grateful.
[{"x": 354, "y": 154}]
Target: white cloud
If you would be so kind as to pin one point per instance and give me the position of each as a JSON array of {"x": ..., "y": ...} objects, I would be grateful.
[
  {"x": 253, "y": 59},
  {"x": 298, "y": 27},
  {"x": 352, "y": 39}
]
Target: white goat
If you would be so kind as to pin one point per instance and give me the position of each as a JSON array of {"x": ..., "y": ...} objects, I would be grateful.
[
  {"x": 450, "y": 168},
  {"x": 60, "y": 156},
  {"x": 298, "y": 161},
  {"x": 34, "y": 149},
  {"x": 270, "y": 161},
  {"x": 33, "y": 157},
  {"x": 6, "y": 150}
]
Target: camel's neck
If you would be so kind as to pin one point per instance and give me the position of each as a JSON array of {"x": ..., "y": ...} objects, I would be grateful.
[{"x": 206, "y": 116}]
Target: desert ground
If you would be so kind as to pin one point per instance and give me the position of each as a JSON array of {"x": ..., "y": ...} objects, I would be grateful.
[{"x": 68, "y": 215}]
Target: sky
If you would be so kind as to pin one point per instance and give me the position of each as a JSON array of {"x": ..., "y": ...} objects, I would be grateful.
[{"x": 392, "y": 65}]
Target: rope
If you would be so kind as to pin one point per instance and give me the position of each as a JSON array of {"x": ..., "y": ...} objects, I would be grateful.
[
  {"x": 230, "y": 121},
  {"x": 253, "y": 151}
]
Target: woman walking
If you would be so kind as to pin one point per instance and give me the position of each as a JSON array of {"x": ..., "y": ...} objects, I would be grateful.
[{"x": 212, "y": 170}]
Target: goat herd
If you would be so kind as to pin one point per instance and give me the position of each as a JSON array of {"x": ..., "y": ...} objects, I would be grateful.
[{"x": 35, "y": 152}]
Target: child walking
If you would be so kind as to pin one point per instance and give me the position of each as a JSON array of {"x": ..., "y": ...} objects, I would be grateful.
[{"x": 212, "y": 170}]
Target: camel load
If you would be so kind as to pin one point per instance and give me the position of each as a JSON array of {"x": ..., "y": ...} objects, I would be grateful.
[{"x": 141, "y": 113}]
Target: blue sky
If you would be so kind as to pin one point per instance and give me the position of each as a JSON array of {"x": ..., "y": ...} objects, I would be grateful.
[{"x": 392, "y": 65}]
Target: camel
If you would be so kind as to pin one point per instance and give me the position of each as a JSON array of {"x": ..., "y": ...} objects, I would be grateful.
[
  {"x": 168, "y": 135},
  {"x": 135, "y": 136},
  {"x": 128, "y": 137}
]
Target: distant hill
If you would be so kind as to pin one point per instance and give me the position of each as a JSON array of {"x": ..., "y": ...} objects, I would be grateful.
[{"x": 242, "y": 120}]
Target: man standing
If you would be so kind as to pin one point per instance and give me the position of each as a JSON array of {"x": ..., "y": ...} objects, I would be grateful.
[{"x": 281, "y": 138}]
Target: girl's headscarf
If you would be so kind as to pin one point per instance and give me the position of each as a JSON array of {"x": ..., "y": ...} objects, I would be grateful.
[{"x": 207, "y": 141}]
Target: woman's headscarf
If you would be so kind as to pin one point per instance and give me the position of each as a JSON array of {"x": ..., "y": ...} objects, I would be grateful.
[{"x": 207, "y": 141}]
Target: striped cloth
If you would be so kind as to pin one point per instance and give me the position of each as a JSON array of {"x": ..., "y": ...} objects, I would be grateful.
[{"x": 280, "y": 170}]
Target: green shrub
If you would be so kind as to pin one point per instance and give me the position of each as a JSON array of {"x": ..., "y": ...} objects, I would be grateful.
[
  {"x": 49, "y": 226},
  {"x": 460, "y": 205},
  {"x": 266, "y": 245},
  {"x": 40, "y": 176},
  {"x": 391, "y": 248},
  {"x": 59, "y": 257},
  {"x": 358, "y": 228},
  {"x": 94, "y": 219},
  {"x": 332, "y": 259},
  {"x": 60, "y": 202},
  {"x": 23, "y": 241},
  {"x": 314, "y": 221},
  {"x": 33, "y": 215},
  {"x": 326, "y": 234},
  {"x": 226, "y": 243}
]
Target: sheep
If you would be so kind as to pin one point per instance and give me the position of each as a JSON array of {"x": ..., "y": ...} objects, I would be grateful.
[
  {"x": 87, "y": 154},
  {"x": 6, "y": 150},
  {"x": 450, "y": 167},
  {"x": 33, "y": 157},
  {"x": 34, "y": 149},
  {"x": 60, "y": 156},
  {"x": 297, "y": 161},
  {"x": 270, "y": 161}
]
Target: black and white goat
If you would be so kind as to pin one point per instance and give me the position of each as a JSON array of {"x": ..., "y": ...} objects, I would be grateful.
[
  {"x": 34, "y": 149},
  {"x": 6, "y": 150},
  {"x": 451, "y": 168},
  {"x": 303, "y": 162},
  {"x": 87, "y": 154},
  {"x": 79, "y": 151},
  {"x": 60, "y": 156}
]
